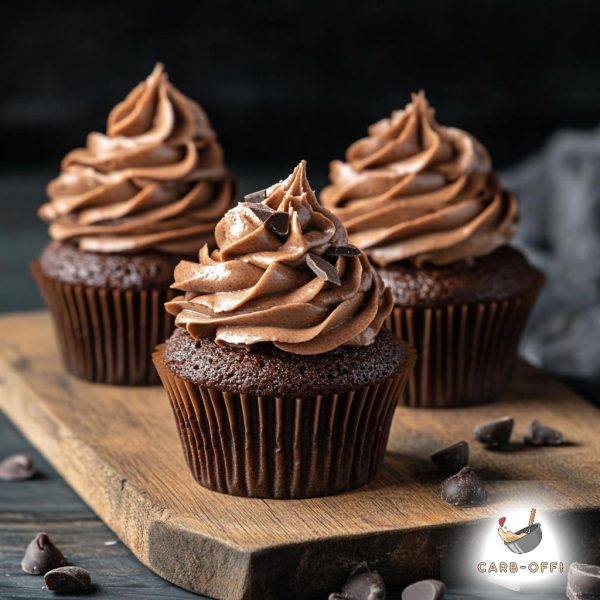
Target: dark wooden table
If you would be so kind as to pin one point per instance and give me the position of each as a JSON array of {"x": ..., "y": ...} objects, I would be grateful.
[{"x": 47, "y": 504}]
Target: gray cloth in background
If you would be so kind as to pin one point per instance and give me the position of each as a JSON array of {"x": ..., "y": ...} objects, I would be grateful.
[{"x": 558, "y": 191}]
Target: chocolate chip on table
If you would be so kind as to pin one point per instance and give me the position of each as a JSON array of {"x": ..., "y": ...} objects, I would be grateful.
[
  {"x": 17, "y": 468},
  {"x": 348, "y": 250},
  {"x": 68, "y": 579},
  {"x": 428, "y": 589},
  {"x": 258, "y": 196},
  {"x": 463, "y": 489},
  {"x": 583, "y": 581},
  {"x": 322, "y": 269},
  {"x": 42, "y": 556},
  {"x": 495, "y": 434},
  {"x": 538, "y": 434},
  {"x": 453, "y": 458},
  {"x": 362, "y": 584}
]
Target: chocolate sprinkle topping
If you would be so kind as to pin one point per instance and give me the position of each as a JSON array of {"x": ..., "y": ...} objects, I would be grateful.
[
  {"x": 322, "y": 269},
  {"x": 262, "y": 211},
  {"x": 256, "y": 196},
  {"x": 348, "y": 250}
]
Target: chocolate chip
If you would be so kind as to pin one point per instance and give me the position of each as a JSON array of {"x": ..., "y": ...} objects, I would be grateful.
[
  {"x": 495, "y": 433},
  {"x": 17, "y": 468},
  {"x": 583, "y": 581},
  {"x": 42, "y": 556},
  {"x": 262, "y": 211},
  {"x": 428, "y": 589},
  {"x": 256, "y": 196},
  {"x": 463, "y": 489},
  {"x": 362, "y": 584},
  {"x": 322, "y": 269},
  {"x": 538, "y": 434},
  {"x": 453, "y": 458},
  {"x": 68, "y": 579},
  {"x": 348, "y": 250},
  {"x": 278, "y": 223}
]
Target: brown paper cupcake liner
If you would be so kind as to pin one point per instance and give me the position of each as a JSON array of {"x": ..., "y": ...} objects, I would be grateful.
[
  {"x": 466, "y": 353},
  {"x": 107, "y": 335},
  {"x": 272, "y": 447}
]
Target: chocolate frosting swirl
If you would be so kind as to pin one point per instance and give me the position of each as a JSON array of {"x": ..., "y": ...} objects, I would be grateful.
[
  {"x": 415, "y": 190},
  {"x": 155, "y": 180},
  {"x": 257, "y": 286}
]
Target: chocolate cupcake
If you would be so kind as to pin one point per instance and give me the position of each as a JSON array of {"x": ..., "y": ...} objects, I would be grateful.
[
  {"x": 424, "y": 204},
  {"x": 282, "y": 381},
  {"x": 124, "y": 210}
]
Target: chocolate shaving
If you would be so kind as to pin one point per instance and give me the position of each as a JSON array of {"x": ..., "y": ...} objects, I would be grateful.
[
  {"x": 277, "y": 222},
  {"x": 348, "y": 250},
  {"x": 256, "y": 196},
  {"x": 322, "y": 269}
]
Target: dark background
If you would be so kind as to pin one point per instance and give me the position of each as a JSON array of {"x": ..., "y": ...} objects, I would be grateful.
[{"x": 281, "y": 81}]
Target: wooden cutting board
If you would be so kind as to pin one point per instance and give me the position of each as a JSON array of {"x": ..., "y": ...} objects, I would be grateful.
[{"x": 118, "y": 448}]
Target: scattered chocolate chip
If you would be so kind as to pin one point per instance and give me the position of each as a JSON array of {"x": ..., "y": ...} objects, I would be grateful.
[
  {"x": 322, "y": 269},
  {"x": 495, "y": 433},
  {"x": 463, "y": 489},
  {"x": 42, "y": 556},
  {"x": 428, "y": 589},
  {"x": 538, "y": 434},
  {"x": 583, "y": 582},
  {"x": 362, "y": 584},
  {"x": 68, "y": 579},
  {"x": 256, "y": 196},
  {"x": 17, "y": 468},
  {"x": 453, "y": 458},
  {"x": 278, "y": 223},
  {"x": 348, "y": 250}
]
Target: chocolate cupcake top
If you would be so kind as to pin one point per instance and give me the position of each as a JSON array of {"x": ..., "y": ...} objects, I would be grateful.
[
  {"x": 155, "y": 180},
  {"x": 283, "y": 273},
  {"x": 415, "y": 190}
]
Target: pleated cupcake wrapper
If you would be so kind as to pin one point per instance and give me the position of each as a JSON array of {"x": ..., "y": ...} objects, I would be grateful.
[
  {"x": 272, "y": 447},
  {"x": 107, "y": 335},
  {"x": 466, "y": 353}
]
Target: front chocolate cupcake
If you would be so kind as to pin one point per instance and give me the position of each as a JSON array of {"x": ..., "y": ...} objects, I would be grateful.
[
  {"x": 424, "y": 204},
  {"x": 123, "y": 212},
  {"x": 281, "y": 379}
]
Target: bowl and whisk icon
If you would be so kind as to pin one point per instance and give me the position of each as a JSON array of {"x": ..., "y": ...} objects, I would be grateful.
[{"x": 523, "y": 541}]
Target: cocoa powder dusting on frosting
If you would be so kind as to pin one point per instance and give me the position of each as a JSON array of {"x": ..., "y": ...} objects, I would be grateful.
[
  {"x": 257, "y": 287},
  {"x": 156, "y": 179},
  {"x": 415, "y": 190}
]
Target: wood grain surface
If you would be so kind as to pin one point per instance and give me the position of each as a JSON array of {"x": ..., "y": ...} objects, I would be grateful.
[{"x": 119, "y": 450}]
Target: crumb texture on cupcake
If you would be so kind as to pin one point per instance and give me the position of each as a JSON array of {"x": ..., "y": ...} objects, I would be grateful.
[
  {"x": 274, "y": 373},
  {"x": 275, "y": 277},
  {"x": 155, "y": 181},
  {"x": 418, "y": 191}
]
